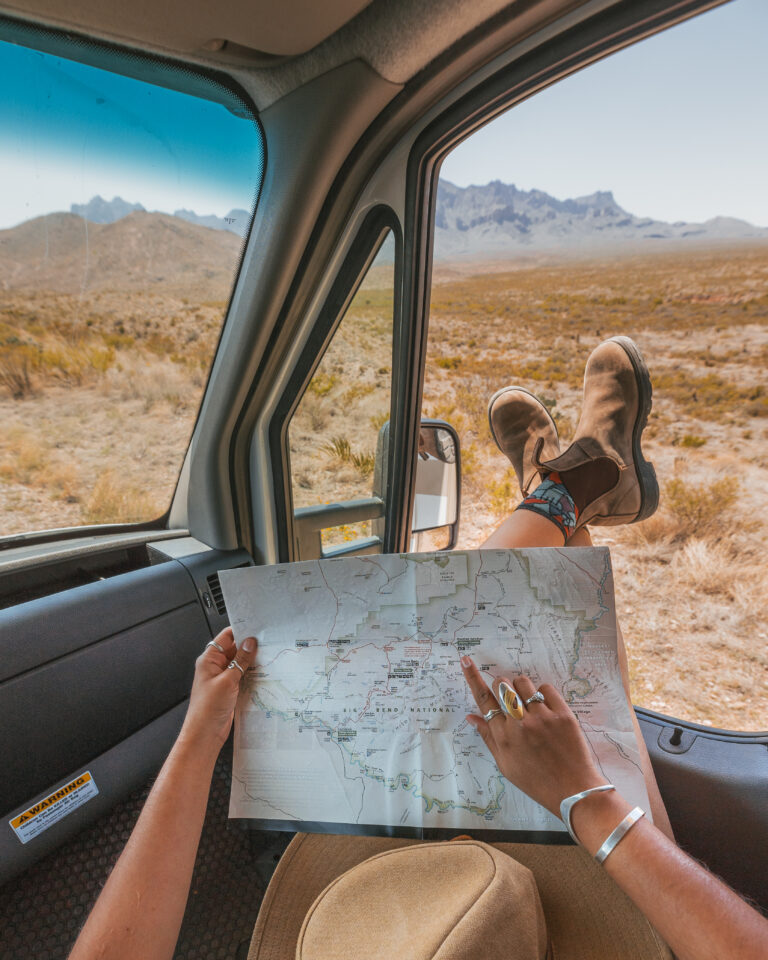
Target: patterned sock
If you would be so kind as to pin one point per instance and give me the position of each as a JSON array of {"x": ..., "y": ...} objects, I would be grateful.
[{"x": 552, "y": 500}]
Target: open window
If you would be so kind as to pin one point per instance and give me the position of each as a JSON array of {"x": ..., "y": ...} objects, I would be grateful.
[
  {"x": 337, "y": 434},
  {"x": 535, "y": 267}
]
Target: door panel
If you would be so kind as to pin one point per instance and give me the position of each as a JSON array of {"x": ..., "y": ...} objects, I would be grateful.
[
  {"x": 714, "y": 788},
  {"x": 116, "y": 772},
  {"x": 96, "y": 678}
]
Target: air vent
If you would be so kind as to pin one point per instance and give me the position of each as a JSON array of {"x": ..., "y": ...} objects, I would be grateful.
[{"x": 216, "y": 595}]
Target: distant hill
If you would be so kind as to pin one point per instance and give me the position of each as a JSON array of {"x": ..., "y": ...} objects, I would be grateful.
[
  {"x": 143, "y": 251},
  {"x": 236, "y": 221},
  {"x": 99, "y": 210},
  {"x": 499, "y": 220}
]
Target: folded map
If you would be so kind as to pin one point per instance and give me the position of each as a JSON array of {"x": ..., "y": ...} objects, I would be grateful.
[{"x": 354, "y": 716}]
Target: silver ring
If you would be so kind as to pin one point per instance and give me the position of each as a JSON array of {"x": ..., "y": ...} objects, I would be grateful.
[
  {"x": 232, "y": 664},
  {"x": 212, "y": 643},
  {"x": 491, "y": 714},
  {"x": 538, "y": 697}
]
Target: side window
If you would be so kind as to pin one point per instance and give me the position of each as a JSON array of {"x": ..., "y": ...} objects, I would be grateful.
[
  {"x": 652, "y": 224},
  {"x": 339, "y": 424},
  {"x": 124, "y": 209}
]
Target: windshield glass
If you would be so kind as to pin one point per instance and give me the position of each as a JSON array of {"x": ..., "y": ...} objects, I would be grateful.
[{"x": 123, "y": 214}]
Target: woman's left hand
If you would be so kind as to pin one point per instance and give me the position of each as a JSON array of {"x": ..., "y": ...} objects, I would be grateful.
[{"x": 215, "y": 689}]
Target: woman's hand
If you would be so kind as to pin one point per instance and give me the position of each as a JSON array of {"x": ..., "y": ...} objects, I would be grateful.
[
  {"x": 215, "y": 689},
  {"x": 545, "y": 754}
]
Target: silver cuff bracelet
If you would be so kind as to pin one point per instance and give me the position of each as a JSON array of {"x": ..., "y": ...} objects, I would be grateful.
[
  {"x": 568, "y": 804},
  {"x": 621, "y": 831}
]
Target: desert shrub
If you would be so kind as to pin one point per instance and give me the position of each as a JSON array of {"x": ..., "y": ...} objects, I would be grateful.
[
  {"x": 28, "y": 460},
  {"x": 709, "y": 568},
  {"x": 75, "y": 362},
  {"x": 757, "y": 407},
  {"x": 16, "y": 371},
  {"x": 448, "y": 363},
  {"x": 62, "y": 481},
  {"x": 318, "y": 418},
  {"x": 364, "y": 462},
  {"x": 322, "y": 383},
  {"x": 688, "y": 511},
  {"x": 379, "y": 419},
  {"x": 710, "y": 396},
  {"x": 701, "y": 510},
  {"x": 24, "y": 457},
  {"x": 503, "y": 494},
  {"x": 560, "y": 366},
  {"x": 690, "y": 440},
  {"x": 357, "y": 391},
  {"x": 115, "y": 501},
  {"x": 340, "y": 449}
]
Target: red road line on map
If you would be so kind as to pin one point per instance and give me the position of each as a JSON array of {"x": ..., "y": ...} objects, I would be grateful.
[{"x": 577, "y": 565}]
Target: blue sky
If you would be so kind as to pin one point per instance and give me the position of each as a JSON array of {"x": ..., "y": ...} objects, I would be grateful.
[
  {"x": 676, "y": 126},
  {"x": 69, "y": 131}
]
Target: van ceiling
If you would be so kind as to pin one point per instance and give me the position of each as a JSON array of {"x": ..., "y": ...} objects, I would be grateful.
[
  {"x": 186, "y": 26},
  {"x": 273, "y": 48}
]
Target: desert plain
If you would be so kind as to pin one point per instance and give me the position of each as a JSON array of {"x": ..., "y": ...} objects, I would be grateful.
[{"x": 100, "y": 383}]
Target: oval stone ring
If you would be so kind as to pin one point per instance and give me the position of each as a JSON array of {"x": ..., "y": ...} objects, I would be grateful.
[{"x": 510, "y": 701}]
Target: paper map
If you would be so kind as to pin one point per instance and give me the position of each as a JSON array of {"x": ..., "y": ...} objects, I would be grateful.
[{"x": 355, "y": 711}]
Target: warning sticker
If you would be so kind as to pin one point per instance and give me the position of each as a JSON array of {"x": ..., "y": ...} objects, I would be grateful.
[{"x": 51, "y": 809}]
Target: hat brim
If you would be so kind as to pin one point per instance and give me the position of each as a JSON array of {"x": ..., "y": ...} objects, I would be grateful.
[{"x": 587, "y": 915}]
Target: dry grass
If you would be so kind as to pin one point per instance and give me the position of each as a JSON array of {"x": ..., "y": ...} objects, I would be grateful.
[
  {"x": 339, "y": 448},
  {"x": 115, "y": 501}
]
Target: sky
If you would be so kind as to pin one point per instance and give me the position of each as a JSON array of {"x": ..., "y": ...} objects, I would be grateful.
[
  {"x": 676, "y": 126},
  {"x": 70, "y": 131}
]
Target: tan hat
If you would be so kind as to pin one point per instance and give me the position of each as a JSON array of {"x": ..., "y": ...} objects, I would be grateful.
[
  {"x": 314, "y": 902},
  {"x": 435, "y": 901}
]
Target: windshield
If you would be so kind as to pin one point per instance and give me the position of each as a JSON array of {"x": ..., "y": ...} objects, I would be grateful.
[{"x": 122, "y": 220}]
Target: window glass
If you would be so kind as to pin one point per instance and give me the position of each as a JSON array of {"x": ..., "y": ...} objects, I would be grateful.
[
  {"x": 631, "y": 199},
  {"x": 122, "y": 217},
  {"x": 334, "y": 432}
]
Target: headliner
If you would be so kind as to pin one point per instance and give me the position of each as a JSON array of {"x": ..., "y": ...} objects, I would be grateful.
[{"x": 271, "y": 48}]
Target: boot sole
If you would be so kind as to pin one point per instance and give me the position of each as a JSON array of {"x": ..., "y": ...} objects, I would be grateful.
[
  {"x": 503, "y": 390},
  {"x": 646, "y": 474}
]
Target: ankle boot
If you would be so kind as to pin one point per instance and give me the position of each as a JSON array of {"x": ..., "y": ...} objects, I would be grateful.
[
  {"x": 522, "y": 427},
  {"x": 604, "y": 469}
]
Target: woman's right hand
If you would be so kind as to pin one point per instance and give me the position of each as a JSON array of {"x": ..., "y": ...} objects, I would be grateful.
[{"x": 545, "y": 754}]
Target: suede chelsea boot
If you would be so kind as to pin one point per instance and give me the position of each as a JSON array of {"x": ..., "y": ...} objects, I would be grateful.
[
  {"x": 522, "y": 426},
  {"x": 604, "y": 469}
]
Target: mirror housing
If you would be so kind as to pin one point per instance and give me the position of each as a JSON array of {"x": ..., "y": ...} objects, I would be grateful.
[{"x": 437, "y": 491}]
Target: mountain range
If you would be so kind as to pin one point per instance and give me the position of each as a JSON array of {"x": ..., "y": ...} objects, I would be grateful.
[
  {"x": 499, "y": 220},
  {"x": 99, "y": 210},
  {"x": 117, "y": 245}
]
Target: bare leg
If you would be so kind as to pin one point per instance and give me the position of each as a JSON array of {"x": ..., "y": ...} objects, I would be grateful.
[{"x": 527, "y": 529}]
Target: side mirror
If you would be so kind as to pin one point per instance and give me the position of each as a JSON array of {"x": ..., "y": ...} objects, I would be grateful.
[
  {"x": 437, "y": 497},
  {"x": 437, "y": 494}
]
